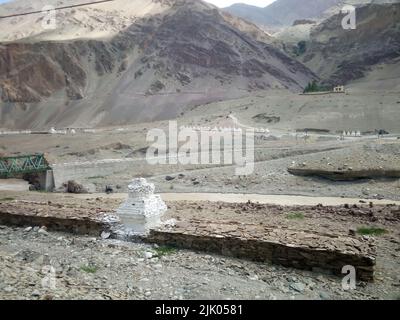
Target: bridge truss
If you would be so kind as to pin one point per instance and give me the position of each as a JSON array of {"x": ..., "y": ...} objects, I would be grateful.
[{"x": 15, "y": 166}]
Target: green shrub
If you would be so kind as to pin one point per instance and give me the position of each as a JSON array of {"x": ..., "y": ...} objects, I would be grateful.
[
  {"x": 371, "y": 231},
  {"x": 313, "y": 86},
  {"x": 295, "y": 216},
  {"x": 165, "y": 250},
  {"x": 7, "y": 199},
  {"x": 89, "y": 268}
]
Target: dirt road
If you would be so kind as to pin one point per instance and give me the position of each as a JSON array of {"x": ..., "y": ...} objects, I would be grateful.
[
  {"x": 14, "y": 185},
  {"x": 284, "y": 200}
]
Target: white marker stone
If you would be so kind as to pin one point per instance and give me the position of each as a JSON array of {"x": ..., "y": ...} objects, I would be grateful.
[{"x": 143, "y": 209}]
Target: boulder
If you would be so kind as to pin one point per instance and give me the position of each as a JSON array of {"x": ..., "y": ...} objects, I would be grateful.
[{"x": 75, "y": 187}]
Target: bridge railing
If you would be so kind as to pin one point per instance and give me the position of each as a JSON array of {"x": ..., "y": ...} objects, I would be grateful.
[{"x": 14, "y": 166}]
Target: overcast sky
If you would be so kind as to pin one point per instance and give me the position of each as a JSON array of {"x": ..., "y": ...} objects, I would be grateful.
[{"x": 225, "y": 3}]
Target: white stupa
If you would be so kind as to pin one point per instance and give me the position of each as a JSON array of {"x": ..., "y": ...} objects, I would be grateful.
[{"x": 143, "y": 209}]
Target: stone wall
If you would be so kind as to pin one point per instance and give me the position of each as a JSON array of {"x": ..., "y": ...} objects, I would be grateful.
[
  {"x": 70, "y": 219},
  {"x": 308, "y": 251},
  {"x": 81, "y": 227}
]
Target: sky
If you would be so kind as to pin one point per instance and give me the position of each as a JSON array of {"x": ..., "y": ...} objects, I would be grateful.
[{"x": 226, "y": 3}]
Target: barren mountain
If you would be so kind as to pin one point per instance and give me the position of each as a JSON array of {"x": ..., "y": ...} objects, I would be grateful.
[
  {"x": 339, "y": 56},
  {"x": 282, "y": 13},
  {"x": 101, "y": 20},
  {"x": 172, "y": 55}
]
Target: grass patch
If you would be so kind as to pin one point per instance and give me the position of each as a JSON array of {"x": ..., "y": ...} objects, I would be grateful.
[
  {"x": 7, "y": 199},
  {"x": 165, "y": 250},
  {"x": 89, "y": 268},
  {"x": 371, "y": 231},
  {"x": 295, "y": 216},
  {"x": 95, "y": 177}
]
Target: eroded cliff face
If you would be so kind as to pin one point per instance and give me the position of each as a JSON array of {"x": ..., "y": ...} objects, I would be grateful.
[
  {"x": 191, "y": 53},
  {"x": 339, "y": 55},
  {"x": 31, "y": 72},
  {"x": 202, "y": 43}
]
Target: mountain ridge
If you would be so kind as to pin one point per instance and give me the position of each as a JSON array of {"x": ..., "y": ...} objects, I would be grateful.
[
  {"x": 340, "y": 56},
  {"x": 283, "y": 13},
  {"x": 162, "y": 63}
]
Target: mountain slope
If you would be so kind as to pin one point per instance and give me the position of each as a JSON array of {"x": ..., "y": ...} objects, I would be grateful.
[
  {"x": 283, "y": 13},
  {"x": 102, "y": 20},
  {"x": 340, "y": 56},
  {"x": 185, "y": 54}
]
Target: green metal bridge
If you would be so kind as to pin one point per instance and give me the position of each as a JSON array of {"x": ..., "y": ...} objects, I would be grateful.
[{"x": 15, "y": 166}]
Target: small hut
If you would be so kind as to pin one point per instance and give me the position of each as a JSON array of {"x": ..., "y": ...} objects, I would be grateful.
[{"x": 339, "y": 89}]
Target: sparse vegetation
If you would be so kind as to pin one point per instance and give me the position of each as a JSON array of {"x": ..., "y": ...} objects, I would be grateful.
[
  {"x": 7, "y": 199},
  {"x": 371, "y": 231},
  {"x": 165, "y": 250},
  {"x": 89, "y": 268},
  {"x": 295, "y": 216},
  {"x": 95, "y": 177},
  {"x": 315, "y": 87}
]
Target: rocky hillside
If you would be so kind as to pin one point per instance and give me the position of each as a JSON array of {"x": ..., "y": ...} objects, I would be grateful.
[
  {"x": 100, "y": 20},
  {"x": 340, "y": 56},
  {"x": 185, "y": 54},
  {"x": 282, "y": 13}
]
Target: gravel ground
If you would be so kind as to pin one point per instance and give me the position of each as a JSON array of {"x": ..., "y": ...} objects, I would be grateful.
[
  {"x": 90, "y": 268},
  {"x": 95, "y": 268}
]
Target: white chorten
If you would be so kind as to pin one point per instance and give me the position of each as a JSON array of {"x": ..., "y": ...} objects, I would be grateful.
[{"x": 143, "y": 209}]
